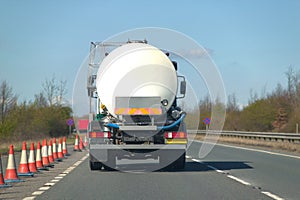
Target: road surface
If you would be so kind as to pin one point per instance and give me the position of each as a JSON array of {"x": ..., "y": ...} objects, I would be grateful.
[{"x": 226, "y": 173}]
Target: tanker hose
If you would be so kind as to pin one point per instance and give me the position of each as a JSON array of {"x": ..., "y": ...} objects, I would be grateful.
[
  {"x": 116, "y": 126},
  {"x": 174, "y": 124}
]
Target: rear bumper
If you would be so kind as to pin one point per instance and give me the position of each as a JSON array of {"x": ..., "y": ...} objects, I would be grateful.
[
  {"x": 103, "y": 153},
  {"x": 141, "y": 147}
]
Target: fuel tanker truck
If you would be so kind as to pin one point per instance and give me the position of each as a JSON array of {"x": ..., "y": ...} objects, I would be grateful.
[{"x": 135, "y": 88}]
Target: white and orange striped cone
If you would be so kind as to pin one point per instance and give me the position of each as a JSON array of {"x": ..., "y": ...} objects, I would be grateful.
[
  {"x": 76, "y": 145},
  {"x": 45, "y": 158},
  {"x": 54, "y": 151},
  {"x": 23, "y": 167},
  {"x": 85, "y": 143},
  {"x": 50, "y": 155},
  {"x": 11, "y": 171},
  {"x": 2, "y": 183},
  {"x": 59, "y": 149},
  {"x": 64, "y": 147},
  {"x": 38, "y": 161},
  {"x": 80, "y": 144},
  {"x": 31, "y": 160}
]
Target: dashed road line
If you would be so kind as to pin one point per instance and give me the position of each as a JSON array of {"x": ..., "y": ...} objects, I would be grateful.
[
  {"x": 29, "y": 198},
  {"x": 56, "y": 179},
  {"x": 273, "y": 196},
  {"x": 38, "y": 193},
  {"x": 49, "y": 184},
  {"x": 255, "y": 150},
  {"x": 238, "y": 180},
  {"x": 44, "y": 188},
  {"x": 269, "y": 194}
]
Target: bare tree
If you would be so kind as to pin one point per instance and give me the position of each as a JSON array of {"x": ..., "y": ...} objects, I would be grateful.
[
  {"x": 290, "y": 76},
  {"x": 232, "y": 103},
  {"x": 54, "y": 91},
  {"x": 253, "y": 97},
  {"x": 7, "y": 100},
  {"x": 293, "y": 81},
  {"x": 62, "y": 91},
  {"x": 40, "y": 100}
]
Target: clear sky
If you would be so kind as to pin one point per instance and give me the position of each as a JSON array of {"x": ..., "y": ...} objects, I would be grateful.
[{"x": 252, "y": 42}]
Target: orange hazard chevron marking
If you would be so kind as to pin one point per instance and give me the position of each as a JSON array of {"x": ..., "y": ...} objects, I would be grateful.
[{"x": 138, "y": 111}]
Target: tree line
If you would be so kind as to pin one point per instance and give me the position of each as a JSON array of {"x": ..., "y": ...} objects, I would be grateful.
[
  {"x": 45, "y": 116},
  {"x": 276, "y": 111}
]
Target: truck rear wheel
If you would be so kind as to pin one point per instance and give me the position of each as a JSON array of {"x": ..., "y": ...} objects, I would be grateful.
[
  {"x": 168, "y": 160},
  {"x": 179, "y": 164},
  {"x": 95, "y": 165},
  {"x": 110, "y": 164}
]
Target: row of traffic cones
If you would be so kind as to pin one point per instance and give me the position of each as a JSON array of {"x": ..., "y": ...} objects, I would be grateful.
[
  {"x": 45, "y": 157},
  {"x": 80, "y": 145}
]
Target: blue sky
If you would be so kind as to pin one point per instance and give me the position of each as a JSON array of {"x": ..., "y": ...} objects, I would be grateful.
[{"x": 252, "y": 42}]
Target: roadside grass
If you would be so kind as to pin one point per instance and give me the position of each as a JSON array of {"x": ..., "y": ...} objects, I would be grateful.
[{"x": 262, "y": 144}]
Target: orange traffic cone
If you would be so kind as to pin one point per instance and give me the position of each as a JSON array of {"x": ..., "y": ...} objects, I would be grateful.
[
  {"x": 23, "y": 167},
  {"x": 2, "y": 183},
  {"x": 85, "y": 143},
  {"x": 76, "y": 146},
  {"x": 31, "y": 159},
  {"x": 80, "y": 144},
  {"x": 39, "y": 163},
  {"x": 11, "y": 172},
  {"x": 45, "y": 158},
  {"x": 64, "y": 147},
  {"x": 54, "y": 149},
  {"x": 59, "y": 149},
  {"x": 50, "y": 155}
]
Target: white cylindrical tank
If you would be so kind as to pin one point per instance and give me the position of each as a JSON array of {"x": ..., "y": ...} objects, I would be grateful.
[{"x": 136, "y": 70}]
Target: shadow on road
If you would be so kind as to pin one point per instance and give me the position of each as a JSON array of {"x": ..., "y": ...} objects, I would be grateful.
[
  {"x": 228, "y": 165},
  {"x": 189, "y": 167}
]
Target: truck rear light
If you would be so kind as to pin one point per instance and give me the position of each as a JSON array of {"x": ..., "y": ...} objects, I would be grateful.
[
  {"x": 100, "y": 134},
  {"x": 175, "y": 135}
]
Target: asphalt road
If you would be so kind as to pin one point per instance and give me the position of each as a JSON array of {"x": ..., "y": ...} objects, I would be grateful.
[{"x": 226, "y": 173}]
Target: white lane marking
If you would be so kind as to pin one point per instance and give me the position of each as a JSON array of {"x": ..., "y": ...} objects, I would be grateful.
[
  {"x": 273, "y": 196},
  {"x": 217, "y": 170},
  {"x": 209, "y": 166},
  {"x": 37, "y": 192},
  {"x": 62, "y": 175},
  {"x": 238, "y": 180},
  {"x": 29, "y": 198},
  {"x": 44, "y": 188},
  {"x": 256, "y": 150},
  {"x": 49, "y": 184},
  {"x": 56, "y": 179},
  {"x": 188, "y": 156}
]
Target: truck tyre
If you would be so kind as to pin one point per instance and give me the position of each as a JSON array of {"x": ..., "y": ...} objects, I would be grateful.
[
  {"x": 95, "y": 165},
  {"x": 179, "y": 164},
  {"x": 170, "y": 163},
  {"x": 110, "y": 165}
]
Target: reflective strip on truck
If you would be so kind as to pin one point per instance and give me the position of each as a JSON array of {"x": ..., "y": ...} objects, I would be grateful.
[
  {"x": 138, "y": 111},
  {"x": 99, "y": 134}
]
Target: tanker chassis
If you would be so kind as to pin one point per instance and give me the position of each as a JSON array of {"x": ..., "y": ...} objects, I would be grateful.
[{"x": 135, "y": 88}]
